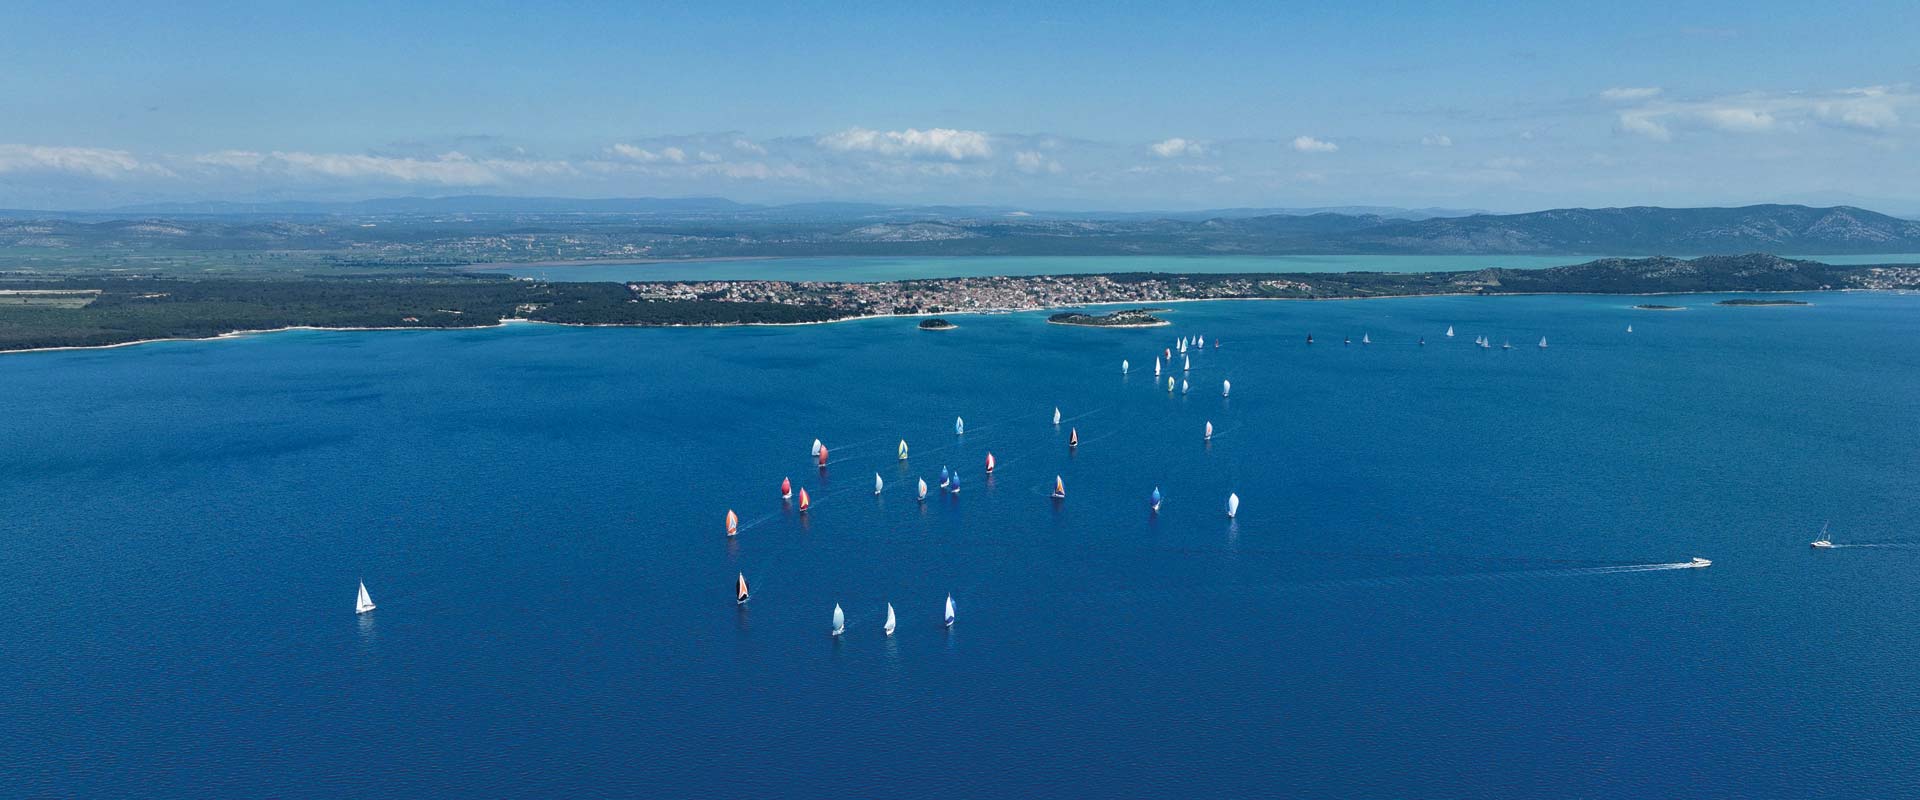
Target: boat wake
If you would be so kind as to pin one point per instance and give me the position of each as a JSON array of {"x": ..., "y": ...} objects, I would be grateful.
[{"x": 1896, "y": 545}]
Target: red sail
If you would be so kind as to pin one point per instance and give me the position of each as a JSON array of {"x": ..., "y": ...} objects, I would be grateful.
[
  {"x": 823, "y": 456},
  {"x": 804, "y": 502},
  {"x": 786, "y": 487}
]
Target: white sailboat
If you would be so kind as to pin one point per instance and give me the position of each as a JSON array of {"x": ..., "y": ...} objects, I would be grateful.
[
  {"x": 839, "y": 620},
  {"x": 1123, "y": 366},
  {"x": 1824, "y": 540},
  {"x": 923, "y": 490},
  {"x": 1366, "y": 338},
  {"x": 949, "y": 611},
  {"x": 1200, "y": 341},
  {"x": 1209, "y": 436},
  {"x": 815, "y": 452},
  {"x": 1156, "y": 366},
  {"x": 1226, "y": 388},
  {"x": 1186, "y": 363},
  {"x": 1233, "y": 505},
  {"x": 959, "y": 426},
  {"x": 903, "y": 449},
  {"x": 1449, "y": 331},
  {"x": 1169, "y": 383},
  {"x": 363, "y": 603},
  {"x": 1056, "y": 415},
  {"x": 1629, "y": 329},
  {"x": 1543, "y": 342},
  {"x": 1184, "y": 386},
  {"x": 889, "y": 626},
  {"x": 877, "y": 483},
  {"x": 740, "y": 591},
  {"x": 1059, "y": 488}
]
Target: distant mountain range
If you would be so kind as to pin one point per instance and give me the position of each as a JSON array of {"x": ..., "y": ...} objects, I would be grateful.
[{"x": 413, "y": 231}]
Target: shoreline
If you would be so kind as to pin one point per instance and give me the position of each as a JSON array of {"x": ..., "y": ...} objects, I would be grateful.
[{"x": 523, "y": 321}]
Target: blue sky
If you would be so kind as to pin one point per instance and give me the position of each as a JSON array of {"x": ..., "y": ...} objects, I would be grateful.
[{"x": 1505, "y": 106}]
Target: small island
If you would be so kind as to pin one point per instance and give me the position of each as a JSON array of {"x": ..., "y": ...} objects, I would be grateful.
[
  {"x": 1749, "y": 301},
  {"x": 1658, "y": 307},
  {"x": 1129, "y": 318},
  {"x": 936, "y": 324}
]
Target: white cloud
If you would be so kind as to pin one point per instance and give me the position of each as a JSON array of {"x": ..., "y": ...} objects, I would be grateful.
[
  {"x": 1033, "y": 163},
  {"x": 449, "y": 169},
  {"x": 1738, "y": 119},
  {"x": 1437, "y": 140},
  {"x": 1644, "y": 124},
  {"x": 1631, "y": 93},
  {"x": 947, "y": 143},
  {"x": 746, "y": 145},
  {"x": 1874, "y": 109},
  {"x": 1308, "y": 144},
  {"x": 1177, "y": 147},
  {"x": 645, "y": 156},
  {"x": 96, "y": 162}
]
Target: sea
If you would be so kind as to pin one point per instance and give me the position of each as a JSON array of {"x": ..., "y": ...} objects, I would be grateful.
[{"x": 1455, "y": 571}]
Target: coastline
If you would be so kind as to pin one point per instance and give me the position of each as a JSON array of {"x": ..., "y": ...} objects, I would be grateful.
[{"x": 523, "y": 321}]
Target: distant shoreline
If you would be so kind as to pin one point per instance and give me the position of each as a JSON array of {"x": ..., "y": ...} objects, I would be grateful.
[
  {"x": 494, "y": 266},
  {"x": 854, "y": 318}
]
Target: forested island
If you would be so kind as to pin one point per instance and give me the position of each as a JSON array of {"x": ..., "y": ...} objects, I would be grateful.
[
  {"x": 1126, "y": 318},
  {"x": 936, "y": 324},
  {"x": 95, "y": 310}
]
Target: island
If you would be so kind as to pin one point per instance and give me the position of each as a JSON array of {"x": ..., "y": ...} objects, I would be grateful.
[
  {"x": 1658, "y": 307},
  {"x": 1127, "y": 318},
  {"x": 936, "y": 324},
  {"x": 41, "y": 310},
  {"x": 1749, "y": 301}
]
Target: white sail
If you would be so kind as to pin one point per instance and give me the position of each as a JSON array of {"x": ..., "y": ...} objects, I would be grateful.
[
  {"x": 1233, "y": 504},
  {"x": 816, "y": 448},
  {"x": 1629, "y": 329},
  {"x": 923, "y": 488},
  {"x": 877, "y": 483},
  {"x": 363, "y": 603},
  {"x": 903, "y": 449},
  {"x": 889, "y": 626},
  {"x": 959, "y": 425},
  {"x": 950, "y": 611},
  {"x": 1543, "y": 341},
  {"x": 1449, "y": 331},
  {"x": 1169, "y": 383},
  {"x": 1186, "y": 364},
  {"x": 1366, "y": 338},
  {"x": 1123, "y": 366},
  {"x": 1156, "y": 366},
  {"x": 839, "y": 620},
  {"x": 1209, "y": 430},
  {"x": 1184, "y": 387},
  {"x": 1226, "y": 388},
  {"x": 1056, "y": 415}
]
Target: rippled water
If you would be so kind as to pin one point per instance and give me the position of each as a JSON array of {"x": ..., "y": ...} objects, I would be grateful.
[{"x": 1442, "y": 582}]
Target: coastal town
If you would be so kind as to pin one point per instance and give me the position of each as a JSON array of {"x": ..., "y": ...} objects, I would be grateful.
[{"x": 947, "y": 295}]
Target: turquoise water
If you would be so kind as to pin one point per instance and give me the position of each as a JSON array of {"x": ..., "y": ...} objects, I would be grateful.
[
  {"x": 1448, "y": 577},
  {"x": 885, "y": 268}
]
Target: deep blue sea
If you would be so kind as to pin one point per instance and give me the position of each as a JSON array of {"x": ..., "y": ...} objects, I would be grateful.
[{"x": 1441, "y": 582}]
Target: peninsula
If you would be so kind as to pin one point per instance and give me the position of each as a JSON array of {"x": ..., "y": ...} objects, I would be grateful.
[{"x": 97, "y": 310}]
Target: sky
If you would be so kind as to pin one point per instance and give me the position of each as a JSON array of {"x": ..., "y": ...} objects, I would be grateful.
[{"x": 1116, "y": 106}]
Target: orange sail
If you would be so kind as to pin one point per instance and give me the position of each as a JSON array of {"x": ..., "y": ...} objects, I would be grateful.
[
  {"x": 1073, "y": 438},
  {"x": 733, "y": 522},
  {"x": 786, "y": 488},
  {"x": 804, "y": 502},
  {"x": 989, "y": 462},
  {"x": 1059, "y": 487},
  {"x": 823, "y": 456},
  {"x": 741, "y": 592}
]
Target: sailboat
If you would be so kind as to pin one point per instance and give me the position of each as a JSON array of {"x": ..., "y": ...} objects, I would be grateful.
[
  {"x": 1186, "y": 364},
  {"x": 1169, "y": 383},
  {"x": 953, "y": 485},
  {"x": 1309, "y": 338},
  {"x": 945, "y": 478},
  {"x": 786, "y": 488},
  {"x": 1056, "y": 415},
  {"x": 1200, "y": 341},
  {"x": 823, "y": 458},
  {"x": 839, "y": 620},
  {"x": 1059, "y": 488},
  {"x": 1366, "y": 338},
  {"x": 989, "y": 463},
  {"x": 805, "y": 503},
  {"x": 1233, "y": 505},
  {"x": 1449, "y": 331},
  {"x": 1168, "y": 352},
  {"x": 1184, "y": 387},
  {"x": 364, "y": 604},
  {"x": 1824, "y": 540},
  {"x": 877, "y": 483},
  {"x": 1346, "y": 340},
  {"x": 1153, "y": 500},
  {"x": 949, "y": 611},
  {"x": 1209, "y": 436},
  {"x": 1507, "y": 345},
  {"x": 889, "y": 626},
  {"x": 740, "y": 592},
  {"x": 1423, "y": 341},
  {"x": 1156, "y": 366},
  {"x": 903, "y": 449},
  {"x": 1123, "y": 366},
  {"x": 1543, "y": 342},
  {"x": 817, "y": 447},
  {"x": 1629, "y": 329},
  {"x": 959, "y": 426},
  {"x": 923, "y": 490},
  {"x": 1073, "y": 437},
  {"x": 1226, "y": 388},
  {"x": 733, "y": 522}
]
